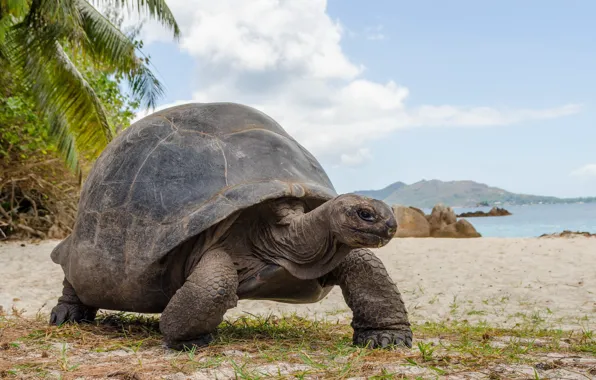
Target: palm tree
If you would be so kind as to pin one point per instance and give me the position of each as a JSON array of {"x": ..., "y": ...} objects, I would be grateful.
[{"x": 35, "y": 36}]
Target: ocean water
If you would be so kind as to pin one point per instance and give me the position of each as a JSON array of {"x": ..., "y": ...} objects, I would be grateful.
[{"x": 534, "y": 220}]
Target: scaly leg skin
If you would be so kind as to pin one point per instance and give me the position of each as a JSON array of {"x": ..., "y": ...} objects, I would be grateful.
[
  {"x": 380, "y": 318},
  {"x": 70, "y": 308},
  {"x": 191, "y": 317}
]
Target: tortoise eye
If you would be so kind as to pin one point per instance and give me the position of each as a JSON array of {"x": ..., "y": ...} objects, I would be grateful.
[{"x": 366, "y": 215}]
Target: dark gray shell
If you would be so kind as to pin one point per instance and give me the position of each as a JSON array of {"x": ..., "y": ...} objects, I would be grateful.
[{"x": 179, "y": 171}]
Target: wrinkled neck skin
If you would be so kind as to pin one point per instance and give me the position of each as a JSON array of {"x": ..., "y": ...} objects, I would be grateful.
[{"x": 302, "y": 243}]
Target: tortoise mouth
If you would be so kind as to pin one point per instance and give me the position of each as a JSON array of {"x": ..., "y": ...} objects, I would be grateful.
[{"x": 371, "y": 238}]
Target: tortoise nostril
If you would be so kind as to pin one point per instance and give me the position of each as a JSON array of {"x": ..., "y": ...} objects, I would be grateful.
[
  {"x": 391, "y": 224},
  {"x": 391, "y": 227}
]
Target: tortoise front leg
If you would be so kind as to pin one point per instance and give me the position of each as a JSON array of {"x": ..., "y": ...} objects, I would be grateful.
[
  {"x": 198, "y": 307},
  {"x": 70, "y": 308},
  {"x": 380, "y": 317}
]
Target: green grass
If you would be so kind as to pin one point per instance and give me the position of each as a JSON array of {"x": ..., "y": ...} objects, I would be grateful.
[{"x": 256, "y": 347}]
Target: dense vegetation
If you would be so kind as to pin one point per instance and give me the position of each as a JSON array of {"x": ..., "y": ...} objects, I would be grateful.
[
  {"x": 25, "y": 132},
  {"x": 64, "y": 70},
  {"x": 56, "y": 48}
]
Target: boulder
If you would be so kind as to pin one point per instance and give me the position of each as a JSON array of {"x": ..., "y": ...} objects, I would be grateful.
[
  {"x": 495, "y": 211},
  {"x": 460, "y": 229},
  {"x": 441, "y": 217},
  {"x": 418, "y": 211},
  {"x": 410, "y": 222},
  {"x": 569, "y": 234}
]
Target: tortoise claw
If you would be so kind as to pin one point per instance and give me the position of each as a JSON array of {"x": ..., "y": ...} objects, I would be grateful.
[
  {"x": 383, "y": 338},
  {"x": 200, "y": 342},
  {"x": 65, "y": 312}
]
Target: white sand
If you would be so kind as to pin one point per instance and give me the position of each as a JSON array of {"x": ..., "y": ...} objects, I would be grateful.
[{"x": 493, "y": 279}]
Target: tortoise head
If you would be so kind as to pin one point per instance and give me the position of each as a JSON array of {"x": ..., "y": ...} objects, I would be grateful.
[{"x": 362, "y": 222}]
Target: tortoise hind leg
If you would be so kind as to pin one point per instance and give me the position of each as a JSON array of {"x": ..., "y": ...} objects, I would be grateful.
[
  {"x": 198, "y": 307},
  {"x": 70, "y": 308}
]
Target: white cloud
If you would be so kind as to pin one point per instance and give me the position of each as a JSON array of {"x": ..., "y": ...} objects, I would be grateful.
[
  {"x": 260, "y": 35},
  {"x": 361, "y": 156},
  {"x": 285, "y": 58},
  {"x": 586, "y": 171}
]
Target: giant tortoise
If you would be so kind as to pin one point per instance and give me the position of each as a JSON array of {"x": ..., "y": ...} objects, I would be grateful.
[{"x": 197, "y": 206}]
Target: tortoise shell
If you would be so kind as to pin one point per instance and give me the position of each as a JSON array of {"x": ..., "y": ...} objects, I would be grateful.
[{"x": 174, "y": 174}]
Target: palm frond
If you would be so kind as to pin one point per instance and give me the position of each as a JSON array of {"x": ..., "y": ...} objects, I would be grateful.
[
  {"x": 110, "y": 46},
  {"x": 31, "y": 32},
  {"x": 146, "y": 86},
  {"x": 11, "y": 11},
  {"x": 105, "y": 41},
  {"x": 65, "y": 142},
  {"x": 5, "y": 24},
  {"x": 63, "y": 13},
  {"x": 15, "y": 8},
  {"x": 60, "y": 91},
  {"x": 157, "y": 9}
]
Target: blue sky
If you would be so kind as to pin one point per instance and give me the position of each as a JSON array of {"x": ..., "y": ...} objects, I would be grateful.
[{"x": 531, "y": 64}]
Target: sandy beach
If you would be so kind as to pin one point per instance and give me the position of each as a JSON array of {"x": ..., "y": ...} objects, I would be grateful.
[{"x": 500, "y": 280}]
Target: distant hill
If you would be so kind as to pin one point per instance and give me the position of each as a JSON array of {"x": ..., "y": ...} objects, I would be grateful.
[
  {"x": 426, "y": 194},
  {"x": 383, "y": 193}
]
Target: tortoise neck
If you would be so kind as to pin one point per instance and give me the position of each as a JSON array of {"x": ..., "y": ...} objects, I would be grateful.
[{"x": 305, "y": 245}]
